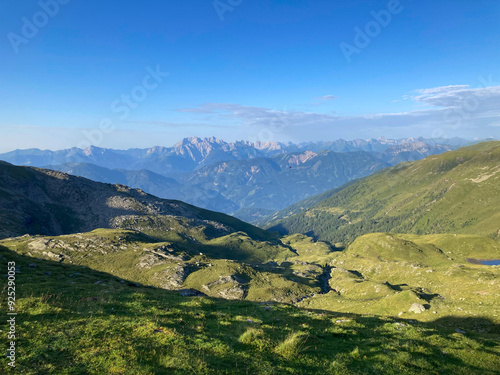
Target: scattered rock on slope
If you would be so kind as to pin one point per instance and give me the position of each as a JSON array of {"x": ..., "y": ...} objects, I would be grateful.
[{"x": 417, "y": 308}]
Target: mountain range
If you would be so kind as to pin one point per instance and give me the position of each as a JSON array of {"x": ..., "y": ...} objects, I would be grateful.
[
  {"x": 142, "y": 238},
  {"x": 250, "y": 180},
  {"x": 194, "y": 152}
]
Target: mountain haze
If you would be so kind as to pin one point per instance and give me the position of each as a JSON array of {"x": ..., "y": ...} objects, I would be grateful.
[{"x": 276, "y": 182}]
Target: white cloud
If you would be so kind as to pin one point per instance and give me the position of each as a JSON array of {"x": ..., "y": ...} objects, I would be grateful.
[
  {"x": 449, "y": 111},
  {"x": 326, "y": 98},
  {"x": 441, "y": 89},
  {"x": 169, "y": 124},
  {"x": 258, "y": 116},
  {"x": 454, "y": 110},
  {"x": 484, "y": 98}
]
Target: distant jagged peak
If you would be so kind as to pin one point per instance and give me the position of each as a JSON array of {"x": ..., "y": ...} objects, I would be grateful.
[
  {"x": 409, "y": 145},
  {"x": 215, "y": 140},
  {"x": 198, "y": 148},
  {"x": 94, "y": 150},
  {"x": 157, "y": 150},
  {"x": 297, "y": 159},
  {"x": 269, "y": 145},
  {"x": 199, "y": 141},
  {"x": 390, "y": 141},
  {"x": 383, "y": 141},
  {"x": 259, "y": 145},
  {"x": 416, "y": 145}
]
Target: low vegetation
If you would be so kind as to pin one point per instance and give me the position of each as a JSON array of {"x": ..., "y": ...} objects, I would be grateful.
[
  {"x": 73, "y": 320},
  {"x": 238, "y": 271},
  {"x": 388, "y": 273}
]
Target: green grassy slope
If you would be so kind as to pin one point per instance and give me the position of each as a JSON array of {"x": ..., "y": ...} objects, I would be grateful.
[
  {"x": 75, "y": 320},
  {"x": 382, "y": 273},
  {"x": 84, "y": 307},
  {"x": 455, "y": 192},
  {"x": 378, "y": 273},
  {"x": 230, "y": 266}
]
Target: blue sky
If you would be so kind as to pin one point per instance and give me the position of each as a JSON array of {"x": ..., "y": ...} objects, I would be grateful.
[{"x": 76, "y": 72}]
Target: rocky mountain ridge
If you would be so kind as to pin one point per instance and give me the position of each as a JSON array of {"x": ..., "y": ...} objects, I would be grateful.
[
  {"x": 194, "y": 152},
  {"x": 42, "y": 201}
]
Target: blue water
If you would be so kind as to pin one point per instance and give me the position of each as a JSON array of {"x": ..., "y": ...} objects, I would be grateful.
[{"x": 494, "y": 262}]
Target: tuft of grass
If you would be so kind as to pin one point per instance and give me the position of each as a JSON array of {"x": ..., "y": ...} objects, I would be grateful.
[
  {"x": 292, "y": 345},
  {"x": 255, "y": 337}
]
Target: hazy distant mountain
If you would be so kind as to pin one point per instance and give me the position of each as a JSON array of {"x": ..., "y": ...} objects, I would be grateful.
[
  {"x": 184, "y": 156},
  {"x": 192, "y": 153},
  {"x": 412, "y": 151},
  {"x": 379, "y": 145},
  {"x": 94, "y": 155},
  {"x": 264, "y": 185}
]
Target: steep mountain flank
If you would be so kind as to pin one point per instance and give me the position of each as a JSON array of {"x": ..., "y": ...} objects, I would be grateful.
[{"x": 455, "y": 192}]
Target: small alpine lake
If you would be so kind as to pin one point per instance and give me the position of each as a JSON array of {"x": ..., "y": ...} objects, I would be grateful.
[{"x": 486, "y": 262}]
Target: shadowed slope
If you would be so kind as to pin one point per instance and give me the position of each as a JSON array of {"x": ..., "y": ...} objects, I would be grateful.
[{"x": 41, "y": 201}]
